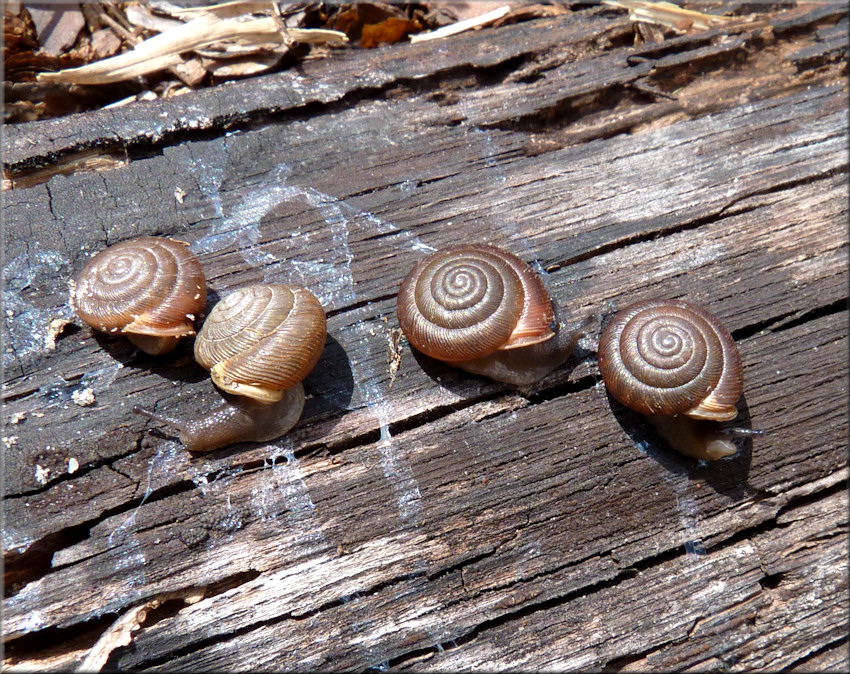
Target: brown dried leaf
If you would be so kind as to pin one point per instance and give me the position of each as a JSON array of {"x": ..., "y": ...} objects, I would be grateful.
[
  {"x": 388, "y": 32},
  {"x": 24, "y": 66},
  {"x": 18, "y": 34},
  {"x": 190, "y": 70},
  {"x": 352, "y": 18}
]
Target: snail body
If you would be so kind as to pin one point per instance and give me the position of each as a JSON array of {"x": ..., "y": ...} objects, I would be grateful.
[
  {"x": 676, "y": 364},
  {"x": 482, "y": 309},
  {"x": 236, "y": 421},
  {"x": 258, "y": 342},
  {"x": 150, "y": 289}
]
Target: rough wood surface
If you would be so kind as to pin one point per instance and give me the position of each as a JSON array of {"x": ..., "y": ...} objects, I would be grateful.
[{"x": 420, "y": 517}]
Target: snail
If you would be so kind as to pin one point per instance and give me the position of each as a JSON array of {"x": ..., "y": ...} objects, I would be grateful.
[
  {"x": 676, "y": 364},
  {"x": 259, "y": 343},
  {"x": 482, "y": 309},
  {"x": 151, "y": 289}
]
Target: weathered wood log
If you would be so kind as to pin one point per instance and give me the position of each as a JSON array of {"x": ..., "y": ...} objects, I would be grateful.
[{"x": 417, "y": 516}]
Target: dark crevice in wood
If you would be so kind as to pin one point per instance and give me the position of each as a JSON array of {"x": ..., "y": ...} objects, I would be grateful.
[
  {"x": 771, "y": 581},
  {"x": 56, "y": 640},
  {"x": 19, "y": 569},
  {"x": 231, "y": 582},
  {"x": 144, "y": 147},
  {"x": 673, "y": 45},
  {"x": 36, "y": 562},
  {"x": 826, "y": 14},
  {"x": 568, "y": 111},
  {"x": 396, "y": 427},
  {"x": 566, "y": 389},
  {"x": 80, "y": 472},
  {"x": 285, "y": 617},
  {"x": 442, "y": 411},
  {"x": 814, "y": 497},
  {"x": 87, "y": 633},
  {"x": 620, "y": 663},
  {"x": 801, "y": 665},
  {"x": 777, "y": 187},
  {"x": 839, "y": 306},
  {"x": 791, "y": 320},
  {"x": 359, "y": 305}
]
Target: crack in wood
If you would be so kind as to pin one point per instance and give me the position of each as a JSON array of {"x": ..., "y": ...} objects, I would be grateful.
[
  {"x": 659, "y": 229},
  {"x": 791, "y": 319},
  {"x": 625, "y": 574}
]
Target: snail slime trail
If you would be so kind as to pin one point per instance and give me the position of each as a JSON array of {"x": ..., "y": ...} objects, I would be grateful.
[
  {"x": 677, "y": 365},
  {"x": 482, "y": 309},
  {"x": 150, "y": 289}
]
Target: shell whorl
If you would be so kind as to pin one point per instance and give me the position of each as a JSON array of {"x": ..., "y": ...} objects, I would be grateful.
[
  {"x": 146, "y": 286},
  {"x": 468, "y": 301},
  {"x": 669, "y": 357},
  {"x": 261, "y": 340}
]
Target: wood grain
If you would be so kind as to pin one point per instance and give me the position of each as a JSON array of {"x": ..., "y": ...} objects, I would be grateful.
[{"x": 420, "y": 517}]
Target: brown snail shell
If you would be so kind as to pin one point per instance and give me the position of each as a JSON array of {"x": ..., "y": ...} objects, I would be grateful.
[
  {"x": 484, "y": 310},
  {"x": 150, "y": 289},
  {"x": 258, "y": 342},
  {"x": 675, "y": 363},
  {"x": 262, "y": 340}
]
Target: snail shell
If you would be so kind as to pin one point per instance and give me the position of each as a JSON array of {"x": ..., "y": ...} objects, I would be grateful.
[
  {"x": 484, "y": 310},
  {"x": 259, "y": 342},
  {"x": 262, "y": 340},
  {"x": 674, "y": 362},
  {"x": 150, "y": 289}
]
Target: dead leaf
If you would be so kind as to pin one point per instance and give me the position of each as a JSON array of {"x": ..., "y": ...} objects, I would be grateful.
[
  {"x": 389, "y": 31},
  {"x": 58, "y": 25},
  {"x": 352, "y": 18},
  {"x": 164, "y": 50}
]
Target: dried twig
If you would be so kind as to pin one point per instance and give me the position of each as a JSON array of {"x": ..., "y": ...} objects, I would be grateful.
[
  {"x": 669, "y": 15},
  {"x": 460, "y": 26},
  {"x": 163, "y": 50}
]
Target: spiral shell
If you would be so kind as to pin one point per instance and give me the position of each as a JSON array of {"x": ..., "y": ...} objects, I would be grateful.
[
  {"x": 262, "y": 339},
  {"x": 468, "y": 301},
  {"x": 670, "y": 357},
  {"x": 150, "y": 286}
]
